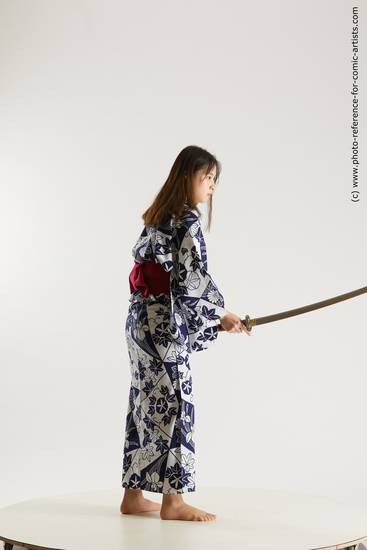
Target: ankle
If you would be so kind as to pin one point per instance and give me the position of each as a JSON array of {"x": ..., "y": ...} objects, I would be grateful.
[
  {"x": 172, "y": 500},
  {"x": 133, "y": 493}
]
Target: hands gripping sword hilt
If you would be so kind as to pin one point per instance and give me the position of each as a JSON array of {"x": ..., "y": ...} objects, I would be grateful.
[{"x": 246, "y": 322}]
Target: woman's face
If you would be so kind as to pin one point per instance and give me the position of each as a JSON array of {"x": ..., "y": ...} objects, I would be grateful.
[{"x": 204, "y": 184}]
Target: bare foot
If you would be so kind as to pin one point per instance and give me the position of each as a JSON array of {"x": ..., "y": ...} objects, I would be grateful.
[
  {"x": 174, "y": 507},
  {"x": 134, "y": 502}
]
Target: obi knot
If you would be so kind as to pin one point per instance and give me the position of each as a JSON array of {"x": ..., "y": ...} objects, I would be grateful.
[{"x": 149, "y": 278}]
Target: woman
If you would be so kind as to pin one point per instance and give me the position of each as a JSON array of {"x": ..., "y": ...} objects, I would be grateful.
[{"x": 175, "y": 308}]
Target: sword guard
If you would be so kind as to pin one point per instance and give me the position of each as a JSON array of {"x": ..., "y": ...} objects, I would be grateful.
[{"x": 246, "y": 323}]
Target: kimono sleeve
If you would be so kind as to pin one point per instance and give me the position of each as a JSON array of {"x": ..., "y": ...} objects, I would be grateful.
[{"x": 196, "y": 300}]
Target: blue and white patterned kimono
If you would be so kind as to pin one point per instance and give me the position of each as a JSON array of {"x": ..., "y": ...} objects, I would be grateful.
[{"x": 161, "y": 332}]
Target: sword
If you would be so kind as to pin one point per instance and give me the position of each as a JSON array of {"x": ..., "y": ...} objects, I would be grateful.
[{"x": 249, "y": 323}]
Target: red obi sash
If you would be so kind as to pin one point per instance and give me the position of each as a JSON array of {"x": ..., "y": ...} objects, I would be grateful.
[{"x": 149, "y": 278}]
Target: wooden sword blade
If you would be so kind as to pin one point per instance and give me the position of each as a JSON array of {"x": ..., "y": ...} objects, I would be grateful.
[
  {"x": 249, "y": 323},
  {"x": 304, "y": 309}
]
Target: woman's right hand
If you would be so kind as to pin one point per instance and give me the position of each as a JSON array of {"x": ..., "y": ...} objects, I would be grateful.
[{"x": 233, "y": 324}]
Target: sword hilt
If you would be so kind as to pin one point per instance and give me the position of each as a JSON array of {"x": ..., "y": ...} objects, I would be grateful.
[{"x": 246, "y": 322}]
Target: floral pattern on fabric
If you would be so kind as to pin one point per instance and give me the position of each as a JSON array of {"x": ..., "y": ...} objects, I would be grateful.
[
  {"x": 161, "y": 332},
  {"x": 197, "y": 303}
]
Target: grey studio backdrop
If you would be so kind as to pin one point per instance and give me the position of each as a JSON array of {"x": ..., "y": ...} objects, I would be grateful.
[{"x": 97, "y": 100}]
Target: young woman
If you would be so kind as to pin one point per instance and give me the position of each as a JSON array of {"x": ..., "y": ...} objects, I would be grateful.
[{"x": 175, "y": 308}]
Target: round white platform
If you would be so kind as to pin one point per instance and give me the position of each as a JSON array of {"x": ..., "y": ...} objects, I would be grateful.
[{"x": 248, "y": 519}]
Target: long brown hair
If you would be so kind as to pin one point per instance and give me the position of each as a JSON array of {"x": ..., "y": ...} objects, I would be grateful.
[{"x": 178, "y": 188}]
